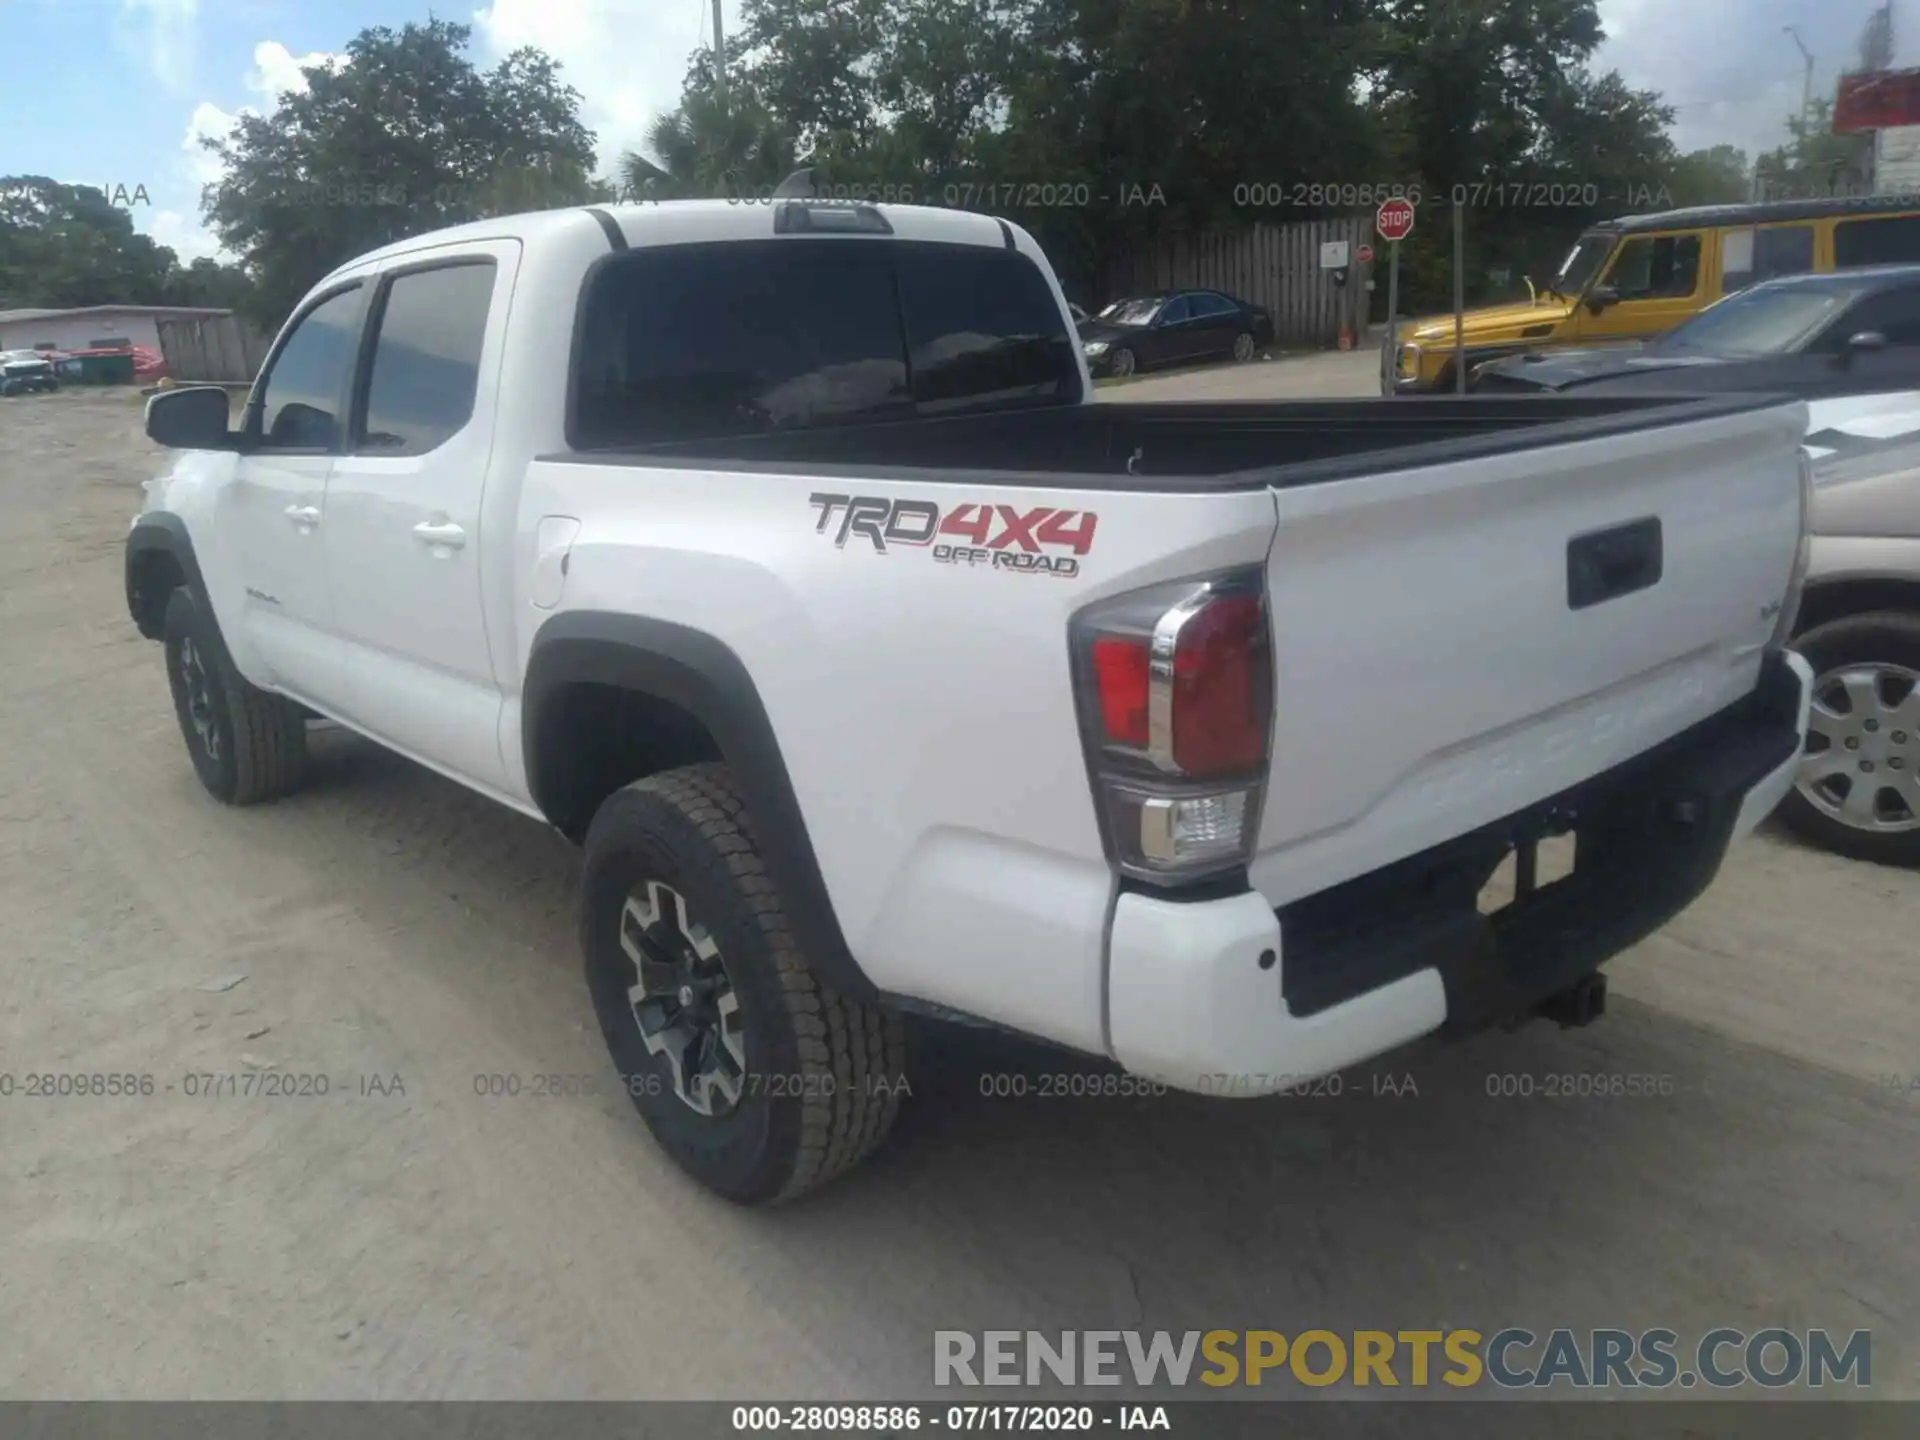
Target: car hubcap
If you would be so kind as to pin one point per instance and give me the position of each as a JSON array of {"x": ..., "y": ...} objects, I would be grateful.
[
  {"x": 1123, "y": 363},
  {"x": 1243, "y": 347},
  {"x": 193, "y": 677},
  {"x": 1863, "y": 744},
  {"x": 683, "y": 999}
]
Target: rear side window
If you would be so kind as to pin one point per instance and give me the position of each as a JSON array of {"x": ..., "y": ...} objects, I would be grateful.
[
  {"x": 1749, "y": 256},
  {"x": 1890, "y": 240},
  {"x": 426, "y": 358},
  {"x": 697, "y": 342}
]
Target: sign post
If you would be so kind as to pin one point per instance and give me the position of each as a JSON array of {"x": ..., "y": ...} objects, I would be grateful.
[
  {"x": 1394, "y": 221},
  {"x": 1459, "y": 297}
]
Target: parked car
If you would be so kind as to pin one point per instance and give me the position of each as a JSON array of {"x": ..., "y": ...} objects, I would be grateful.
[
  {"x": 780, "y": 558},
  {"x": 1858, "y": 791},
  {"x": 1641, "y": 275},
  {"x": 27, "y": 377},
  {"x": 1809, "y": 335},
  {"x": 1171, "y": 327}
]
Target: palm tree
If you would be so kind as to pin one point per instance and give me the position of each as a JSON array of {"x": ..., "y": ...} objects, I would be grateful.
[{"x": 713, "y": 145}]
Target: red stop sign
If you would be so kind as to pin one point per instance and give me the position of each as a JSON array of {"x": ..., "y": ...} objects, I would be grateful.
[{"x": 1394, "y": 219}]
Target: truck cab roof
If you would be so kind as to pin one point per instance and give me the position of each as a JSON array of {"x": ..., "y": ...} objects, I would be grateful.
[{"x": 679, "y": 222}]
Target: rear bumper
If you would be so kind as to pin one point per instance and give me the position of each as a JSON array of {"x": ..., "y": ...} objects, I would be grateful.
[{"x": 1231, "y": 997}]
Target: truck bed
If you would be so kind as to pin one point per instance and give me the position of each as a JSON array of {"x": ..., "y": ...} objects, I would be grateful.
[{"x": 1197, "y": 446}]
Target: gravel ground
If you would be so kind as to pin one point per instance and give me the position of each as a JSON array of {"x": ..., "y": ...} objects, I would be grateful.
[{"x": 404, "y": 1237}]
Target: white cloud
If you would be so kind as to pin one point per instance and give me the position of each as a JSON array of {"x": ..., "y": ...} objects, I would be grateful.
[
  {"x": 276, "y": 70},
  {"x": 627, "y": 58},
  {"x": 1727, "y": 66},
  {"x": 165, "y": 31},
  {"x": 184, "y": 235},
  {"x": 208, "y": 122}
]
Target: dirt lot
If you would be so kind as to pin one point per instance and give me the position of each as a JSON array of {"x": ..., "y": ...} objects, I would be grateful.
[{"x": 404, "y": 1237}]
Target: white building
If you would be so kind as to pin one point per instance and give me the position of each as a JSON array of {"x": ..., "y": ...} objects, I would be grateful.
[{"x": 92, "y": 326}]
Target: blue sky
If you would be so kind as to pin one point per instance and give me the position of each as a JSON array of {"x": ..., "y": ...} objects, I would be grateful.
[{"x": 119, "y": 87}]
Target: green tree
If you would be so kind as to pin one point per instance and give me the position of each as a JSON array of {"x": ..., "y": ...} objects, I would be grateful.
[
  {"x": 1720, "y": 176},
  {"x": 722, "y": 140},
  {"x": 65, "y": 245},
  {"x": 1814, "y": 162},
  {"x": 210, "y": 283},
  {"x": 406, "y": 136}
]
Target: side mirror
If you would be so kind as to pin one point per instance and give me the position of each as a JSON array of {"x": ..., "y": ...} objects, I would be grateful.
[
  {"x": 1866, "y": 340},
  {"x": 1600, "y": 297},
  {"x": 190, "y": 419}
]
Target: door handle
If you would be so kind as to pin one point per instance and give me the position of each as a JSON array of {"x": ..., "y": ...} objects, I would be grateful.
[
  {"x": 305, "y": 516},
  {"x": 440, "y": 533}
]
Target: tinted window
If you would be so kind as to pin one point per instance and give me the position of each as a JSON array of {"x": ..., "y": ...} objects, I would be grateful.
[
  {"x": 1177, "y": 309},
  {"x": 982, "y": 327},
  {"x": 1894, "y": 240},
  {"x": 1208, "y": 305},
  {"x": 301, "y": 396},
  {"x": 426, "y": 359},
  {"x": 1656, "y": 267},
  {"x": 1894, "y": 313},
  {"x": 684, "y": 342},
  {"x": 1750, "y": 256}
]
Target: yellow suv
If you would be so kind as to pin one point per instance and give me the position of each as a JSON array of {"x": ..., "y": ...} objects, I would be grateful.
[{"x": 1641, "y": 275}]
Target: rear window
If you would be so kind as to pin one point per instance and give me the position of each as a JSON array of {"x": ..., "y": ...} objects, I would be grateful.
[{"x": 702, "y": 341}]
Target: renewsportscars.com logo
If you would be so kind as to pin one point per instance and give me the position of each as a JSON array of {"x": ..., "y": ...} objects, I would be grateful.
[
  {"x": 1036, "y": 541},
  {"x": 1513, "y": 1358}
]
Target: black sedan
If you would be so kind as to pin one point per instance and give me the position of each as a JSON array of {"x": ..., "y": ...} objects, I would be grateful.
[
  {"x": 1171, "y": 327},
  {"x": 1851, "y": 332}
]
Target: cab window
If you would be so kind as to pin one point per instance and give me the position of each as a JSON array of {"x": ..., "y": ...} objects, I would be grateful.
[
  {"x": 1656, "y": 267},
  {"x": 1749, "y": 256}
]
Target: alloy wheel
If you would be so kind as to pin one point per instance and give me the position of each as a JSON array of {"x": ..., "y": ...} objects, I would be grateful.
[
  {"x": 683, "y": 999},
  {"x": 193, "y": 676},
  {"x": 1863, "y": 747}
]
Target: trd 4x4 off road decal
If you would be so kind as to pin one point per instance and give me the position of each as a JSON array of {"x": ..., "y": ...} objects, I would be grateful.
[{"x": 1037, "y": 541}]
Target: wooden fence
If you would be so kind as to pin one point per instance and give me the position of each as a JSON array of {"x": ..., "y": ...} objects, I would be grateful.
[
  {"x": 1277, "y": 266},
  {"x": 220, "y": 349}
]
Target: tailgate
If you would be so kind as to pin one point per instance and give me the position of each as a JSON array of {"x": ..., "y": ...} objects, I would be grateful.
[{"x": 1456, "y": 641}]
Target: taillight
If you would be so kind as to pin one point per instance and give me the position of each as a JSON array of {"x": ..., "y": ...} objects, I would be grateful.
[
  {"x": 1120, "y": 669},
  {"x": 1175, "y": 687}
]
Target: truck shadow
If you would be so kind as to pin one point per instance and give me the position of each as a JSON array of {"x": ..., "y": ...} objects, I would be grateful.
[{"x": 1640, "y": 1172}]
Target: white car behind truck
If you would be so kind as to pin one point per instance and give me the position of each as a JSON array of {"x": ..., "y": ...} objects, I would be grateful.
[{"x": 777, "y": 555}]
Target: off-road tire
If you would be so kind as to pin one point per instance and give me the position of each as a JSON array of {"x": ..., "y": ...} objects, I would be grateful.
[
  {"x": 1889, "y": 637},
  {"x": 258, "y": 745},
  {"x": 825, "y": 1074}
]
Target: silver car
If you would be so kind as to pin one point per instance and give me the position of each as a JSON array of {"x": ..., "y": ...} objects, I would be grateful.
[{"x": 1859, "y": 627}]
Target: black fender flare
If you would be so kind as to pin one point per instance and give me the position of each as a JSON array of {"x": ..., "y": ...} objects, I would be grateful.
[
  {"x": 165, "y": 532},
  {"x": 704, "y": 677}
]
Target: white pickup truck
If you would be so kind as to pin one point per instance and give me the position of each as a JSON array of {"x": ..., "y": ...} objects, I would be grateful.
[{"x": 777, "y": 554}]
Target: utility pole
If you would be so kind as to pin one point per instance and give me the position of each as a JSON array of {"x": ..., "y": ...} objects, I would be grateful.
[
  {"x": 1806, "y": 85},
  {"x": 719, "y": 55}
]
